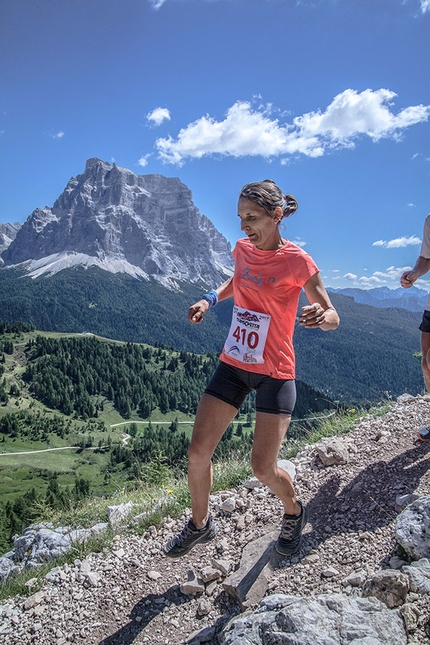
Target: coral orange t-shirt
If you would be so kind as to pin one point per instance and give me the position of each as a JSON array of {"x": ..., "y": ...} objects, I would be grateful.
[{"x": 266, "y": 289}]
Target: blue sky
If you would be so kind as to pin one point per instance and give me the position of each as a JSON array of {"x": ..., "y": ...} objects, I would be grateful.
[{"x": 330, "y": 98}]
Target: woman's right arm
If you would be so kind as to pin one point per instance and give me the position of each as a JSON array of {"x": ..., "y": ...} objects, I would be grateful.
[{"x": 197, "y": 311}]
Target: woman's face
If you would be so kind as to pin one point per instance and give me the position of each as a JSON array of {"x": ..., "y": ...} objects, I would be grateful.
[{"x": 260, "y": 227}]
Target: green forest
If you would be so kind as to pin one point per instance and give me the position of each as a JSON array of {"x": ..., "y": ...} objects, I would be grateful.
[{"x": 124, "y": 410}]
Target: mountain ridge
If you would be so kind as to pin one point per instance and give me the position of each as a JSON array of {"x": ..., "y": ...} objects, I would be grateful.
[
  {"x": 110, "y": 217},
  {"x": 413, "y": 299}
]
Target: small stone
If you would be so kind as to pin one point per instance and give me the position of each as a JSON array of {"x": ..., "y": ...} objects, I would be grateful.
[
  {"x": 204, "y": 607},
  {"x": 154, "y": 575},
  {"x": 329, "y": 572},
  {"x": 229, "y": 505},
  {"x": 222, "y": 565},
  {"x": 193, "y": 585},
  {"x": 208, "y": 574},
  {"x": 253, "y": 482},
  {"x": 34, "y": 600},
  {"x": 211, "y": 588},
  {"x": 410, "y": 615}
]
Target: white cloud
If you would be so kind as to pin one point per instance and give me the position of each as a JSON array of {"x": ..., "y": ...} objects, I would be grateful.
[
  {"x": 246, "y": 131},
  {"x": 390, "y": 275},
  {"x": 299, "y": 242},
  {"x": 370, "y": 282},
  {"x": 399, "y": 242},
  {"x": 335, "y": 271},
  {"x": 143, "y": 161},
  {"x": 57, "y": 135},
  {"x": 350, "y": 276},
  {"x": 411, "y": 205},
  {"x": 156, "y": 4},
  {"x": 158, "y": 115},
  {"x": 425, "y": 5}
]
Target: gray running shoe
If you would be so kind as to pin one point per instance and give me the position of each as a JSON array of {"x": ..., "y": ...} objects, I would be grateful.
[
  {"x": 291, "y": 532},
  {"x": 189, "y": 537}
]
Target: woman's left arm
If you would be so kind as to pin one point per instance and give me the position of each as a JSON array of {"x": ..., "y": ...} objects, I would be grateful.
[{"x": 320, "y": 314}]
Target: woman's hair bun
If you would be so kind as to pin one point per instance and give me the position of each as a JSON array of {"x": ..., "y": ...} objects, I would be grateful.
[{"x": 269, "y": 196}]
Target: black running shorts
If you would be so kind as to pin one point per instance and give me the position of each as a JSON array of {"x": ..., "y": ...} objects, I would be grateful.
[
  {"x": 231, "y": 385},
  {"x": 425, "y": 323}
]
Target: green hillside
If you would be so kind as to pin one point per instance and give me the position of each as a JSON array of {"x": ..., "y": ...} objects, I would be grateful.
[
  {"x": 371, "y": 354},
  {"x": 82, "y": 416}
]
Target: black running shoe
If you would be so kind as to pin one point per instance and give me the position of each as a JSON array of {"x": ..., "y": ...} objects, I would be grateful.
[
  {"x": 424, "y": 435},
  {"x": 291, "y": 532},
  {"x": 189, "y": 537}
]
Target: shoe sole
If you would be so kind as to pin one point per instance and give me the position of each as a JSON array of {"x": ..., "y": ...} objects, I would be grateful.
[{"x": 202, "y": 540}]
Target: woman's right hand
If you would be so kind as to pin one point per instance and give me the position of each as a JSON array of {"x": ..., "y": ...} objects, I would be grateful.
[{"x": 197, "y": 311}]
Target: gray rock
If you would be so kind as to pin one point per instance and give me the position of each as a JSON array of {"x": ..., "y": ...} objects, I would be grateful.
[
  {"x": 193, "y": 585},
  {"x": 410, "y": 615},
  {"x": 405, "y": 500},
  {"x": 332, "y": 451},
  {"x": 323, "y": 620},
  {"x": 224, "y": 566},
  {"x": 419, "y": 576},
  {"x": 253, "y": 482},
  {"x": 412, "y": 529},
  {"x": 117, "y": 514},
  {"x": 228, "y": 505},
  {"x": 389, "y": 586},
  {"x": 7, "y": 566},
  {"x": 249, "y": 583},
  {"x": 355, "y": 579}
]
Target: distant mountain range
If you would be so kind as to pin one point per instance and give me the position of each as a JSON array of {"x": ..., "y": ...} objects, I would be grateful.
[
  {"x": 412, "y": 299},
  {"x": 124, "y": 255}
]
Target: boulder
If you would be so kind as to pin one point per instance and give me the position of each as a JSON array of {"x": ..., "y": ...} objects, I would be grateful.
[
  {"x": 389, "y": 586},
  {"x": 326, "y": 619},
  {"x": 412, "y": 529}
]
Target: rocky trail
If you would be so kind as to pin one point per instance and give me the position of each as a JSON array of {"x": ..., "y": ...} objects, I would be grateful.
[{"x": 131, "y": 593}]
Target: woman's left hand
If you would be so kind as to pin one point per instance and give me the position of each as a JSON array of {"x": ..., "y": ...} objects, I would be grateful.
[{"x": 313, "y": 316}]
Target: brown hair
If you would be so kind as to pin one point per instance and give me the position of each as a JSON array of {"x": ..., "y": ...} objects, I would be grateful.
[{"x": 269, "y": 196}]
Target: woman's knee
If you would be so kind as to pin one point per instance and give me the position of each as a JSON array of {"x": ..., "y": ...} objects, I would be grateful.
[{"x": 199, "y": 453}]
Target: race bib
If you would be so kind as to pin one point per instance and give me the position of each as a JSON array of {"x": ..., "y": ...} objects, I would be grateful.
[{"x": 247, "y": 336}]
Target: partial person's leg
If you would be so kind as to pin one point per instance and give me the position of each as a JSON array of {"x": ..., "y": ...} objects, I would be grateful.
[
  {"x": 425, "y": 363},
  {"x": 212, "y": 420},
  {"x": 424, "y": 433},
  {"x": 270, "y": 430}
]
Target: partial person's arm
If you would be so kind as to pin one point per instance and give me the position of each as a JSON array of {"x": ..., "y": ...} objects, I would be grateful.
[
  {"x": 197, "y": 311},
  {"x": 422, "y": 265},
  {"x": 320, "y": 314}
]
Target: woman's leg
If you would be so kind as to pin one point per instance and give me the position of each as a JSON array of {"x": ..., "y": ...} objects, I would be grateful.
[
  {"x": 212, "y": 420},
  {"x": 269, "y": 432}
]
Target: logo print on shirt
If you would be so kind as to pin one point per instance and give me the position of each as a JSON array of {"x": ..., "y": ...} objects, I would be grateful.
[{"x": 258, "y": 279}]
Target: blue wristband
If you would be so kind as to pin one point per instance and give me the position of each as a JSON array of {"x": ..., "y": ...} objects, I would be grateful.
[{"x": 211, "y": 297}]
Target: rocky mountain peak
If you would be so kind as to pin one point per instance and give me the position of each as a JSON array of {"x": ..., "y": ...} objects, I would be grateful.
[
  {"x": 144, "y": 225},
  {"x": 7, "y": 234}
]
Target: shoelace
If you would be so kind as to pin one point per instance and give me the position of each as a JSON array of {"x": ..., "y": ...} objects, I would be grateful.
[
  {"x": 183, "y": 535},
  {"x": 287, "y": 529}
]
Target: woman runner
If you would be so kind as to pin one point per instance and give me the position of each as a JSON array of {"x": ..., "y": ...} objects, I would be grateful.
[{"x": 258, "y": 355}]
